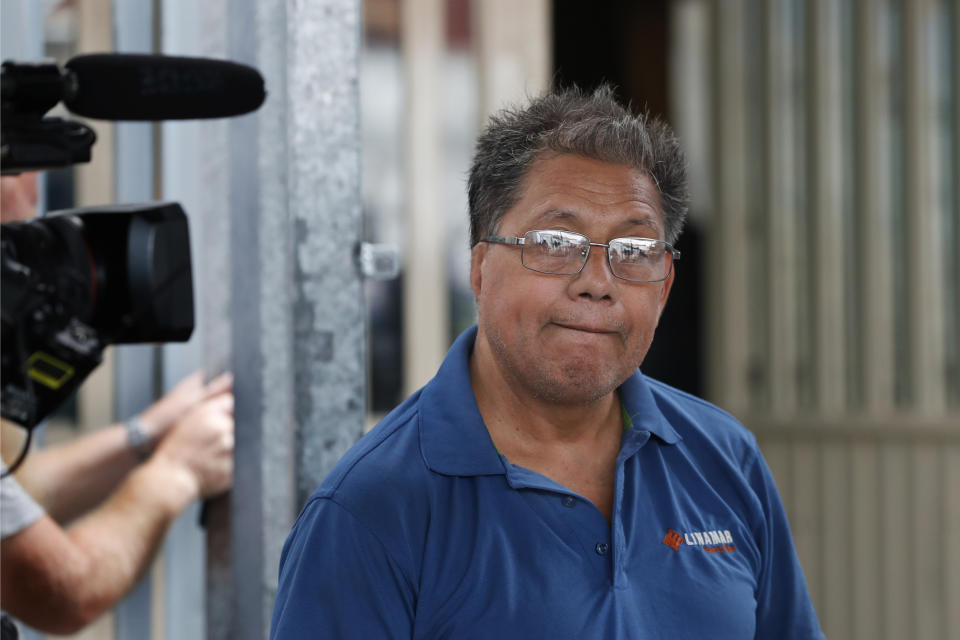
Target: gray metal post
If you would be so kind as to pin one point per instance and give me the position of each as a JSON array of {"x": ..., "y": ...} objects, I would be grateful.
[
  {"x": 297, "y": 300},
  {"x": 135, "y": 364},
  {"x": 194, "y": 173}
]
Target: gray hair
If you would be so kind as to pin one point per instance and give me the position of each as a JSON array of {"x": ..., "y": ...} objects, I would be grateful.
[{"x": 570, "y": 121}]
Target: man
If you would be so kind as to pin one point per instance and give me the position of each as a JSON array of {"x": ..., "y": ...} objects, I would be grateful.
[
  {"x": 540, "y": 486},
  {"x": 118, "y": 488}
]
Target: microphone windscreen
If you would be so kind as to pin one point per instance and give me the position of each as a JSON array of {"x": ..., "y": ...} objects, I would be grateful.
[{"x": 118, "y": 86}]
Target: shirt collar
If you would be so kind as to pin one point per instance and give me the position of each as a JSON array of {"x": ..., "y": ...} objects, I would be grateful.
[{"x": 455, "y": 441}]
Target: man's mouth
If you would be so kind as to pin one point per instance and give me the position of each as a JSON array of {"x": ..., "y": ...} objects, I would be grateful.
[{"x": 588, "y": 328}]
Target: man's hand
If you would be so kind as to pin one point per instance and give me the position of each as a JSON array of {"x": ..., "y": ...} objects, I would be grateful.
[
  {"x": 60, "y": 580},
  {"x": 200, "y": 446},
  {"x": 163, "y": 414},
  {"x": 70, "y": 479}
]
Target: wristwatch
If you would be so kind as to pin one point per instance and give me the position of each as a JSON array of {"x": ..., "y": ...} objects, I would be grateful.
[{"x": 137, "y": 438}]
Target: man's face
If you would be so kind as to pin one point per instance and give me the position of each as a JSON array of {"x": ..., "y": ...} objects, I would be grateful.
[{"x": 571, "y": 339}]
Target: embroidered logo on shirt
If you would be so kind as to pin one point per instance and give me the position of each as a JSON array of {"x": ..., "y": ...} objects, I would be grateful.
[
  {"x": 710, "y": 541},
  {"x": 673, "y": 539}
]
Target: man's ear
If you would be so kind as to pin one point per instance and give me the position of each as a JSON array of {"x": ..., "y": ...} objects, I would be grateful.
[
  {"x": 477, "y": 256},
  {"x": 665, "y": 292}
]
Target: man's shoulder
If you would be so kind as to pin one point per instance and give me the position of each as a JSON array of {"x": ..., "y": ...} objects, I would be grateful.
[
  {"x": 383, "y": 476},
  {"x": 699, "y": 422},
  {"x": 381, "y": 486},
  {"x": 387, "y": 453}
]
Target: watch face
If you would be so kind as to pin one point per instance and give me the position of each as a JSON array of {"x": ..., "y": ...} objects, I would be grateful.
[{"x": 137, "y": 437}]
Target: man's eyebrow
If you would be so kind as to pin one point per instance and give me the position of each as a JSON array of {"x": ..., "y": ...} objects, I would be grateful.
[
  {"x": 646, "y": 221},
  {"x": 563, "y": 215},
  {"x": 557, "y": 214}
]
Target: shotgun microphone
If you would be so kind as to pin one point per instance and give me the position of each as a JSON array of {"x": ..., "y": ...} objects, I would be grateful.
[
  {"x": 111, "y": 86},
  {"x": 155, "y": 87}
]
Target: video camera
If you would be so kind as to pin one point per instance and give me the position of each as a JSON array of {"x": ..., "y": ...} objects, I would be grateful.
[{"x": 76, "y": 281}]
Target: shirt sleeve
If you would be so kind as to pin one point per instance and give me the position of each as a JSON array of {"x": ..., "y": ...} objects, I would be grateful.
[
  {"x": 338, "y": 580},
  {"x": 17, "y": 509},
  {"x": 784, "y": 608}
]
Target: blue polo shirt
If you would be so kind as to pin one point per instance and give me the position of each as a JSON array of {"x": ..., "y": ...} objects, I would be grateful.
[{"x": 423, "y": 530}]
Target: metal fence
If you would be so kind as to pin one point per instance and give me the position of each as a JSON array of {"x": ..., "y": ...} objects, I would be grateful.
[{"x": 834, "y": 304}]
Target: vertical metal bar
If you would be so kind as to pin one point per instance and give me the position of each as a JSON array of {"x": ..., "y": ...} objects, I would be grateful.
[
  {"x": 951, "y": 592},
  {"x": 928, "y": 503},
  {"x": 923, "y": 220},
  {"x": 895, "y": 609},
  {"x": 299, "y": 322},
  {"x": 134, "y": 364},
  {"x": 874, "y": 214},
  {"x": 21, "y": 30},
  {"x": 329, "y": 330},
  {"x": 260, "y": 281},
  {"x": 758, "y": 191},
  {"x": 866, "y": 555},
  {"x": 806, "y": 520},
  {"x": 836, "y": 504},
  {"x": 426, "y": 322},
  {"x": 826, "y": 181},
  {"x": 514, "y": 51},
  {"x": 780, "y": 208},
  {"x": 690, "y": 106},
  {"x": 95, "y": 185},
  {"x": 727, "y": 251},
  {"x": 953, "y": 279},
  {"x": 194, "y": 173}
]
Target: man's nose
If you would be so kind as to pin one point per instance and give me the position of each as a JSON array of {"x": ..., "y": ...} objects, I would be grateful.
[{"x": 595, "y": 280}]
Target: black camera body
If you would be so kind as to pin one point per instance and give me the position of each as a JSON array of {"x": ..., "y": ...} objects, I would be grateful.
[
  {"x": 30, "y": 139},
  {"x": 79, "y": 280}
]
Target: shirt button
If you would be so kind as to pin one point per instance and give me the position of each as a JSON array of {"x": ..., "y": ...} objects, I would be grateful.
[
  {"x": 601, "y": 548},
  {"x": 569, "y": 501}
]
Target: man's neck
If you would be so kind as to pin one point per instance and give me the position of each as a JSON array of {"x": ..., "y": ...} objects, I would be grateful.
[{"x": 575, "y": 445}]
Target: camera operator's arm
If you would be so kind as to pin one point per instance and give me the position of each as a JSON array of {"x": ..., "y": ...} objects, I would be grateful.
[
  {"x": 70, "y": 479},
  {"x": 59, "y": 580}
]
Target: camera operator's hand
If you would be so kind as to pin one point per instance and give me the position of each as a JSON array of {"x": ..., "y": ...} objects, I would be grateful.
[
  {"x": 59, "y": 580},
  {"x": 199, "y": 447},
  {"x": 161, "y": 416},
  {"x": 70, "y": 479},
  {"x": 18, "y": 197}
]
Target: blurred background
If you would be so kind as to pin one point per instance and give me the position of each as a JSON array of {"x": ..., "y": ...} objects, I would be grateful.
[{"x": 818, "y": 298}]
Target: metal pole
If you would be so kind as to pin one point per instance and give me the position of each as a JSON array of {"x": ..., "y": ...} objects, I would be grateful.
[
  {"x": 298, "y": 308},
  {"x": 426, "y": 322},
  {"x": 135, "y": 364},
  {"x": 194, "y": 173}
]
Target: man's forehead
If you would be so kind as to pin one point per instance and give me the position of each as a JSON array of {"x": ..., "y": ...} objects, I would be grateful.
[{"x": 586, "y": 176}]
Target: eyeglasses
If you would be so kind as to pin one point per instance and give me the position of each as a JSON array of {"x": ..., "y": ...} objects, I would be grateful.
[{"x": 564, "y": 253}]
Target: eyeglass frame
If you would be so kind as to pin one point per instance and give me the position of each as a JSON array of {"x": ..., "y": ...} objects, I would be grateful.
[{"x": 520, "y": 241}]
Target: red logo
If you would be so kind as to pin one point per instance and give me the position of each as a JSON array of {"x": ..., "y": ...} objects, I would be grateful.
[
  {"x": 710, "y": 541},
  {"x": 673, "y": 539}
]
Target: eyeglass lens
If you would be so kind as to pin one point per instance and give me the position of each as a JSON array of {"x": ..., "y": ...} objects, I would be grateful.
[{"x": 565, "y": 253}]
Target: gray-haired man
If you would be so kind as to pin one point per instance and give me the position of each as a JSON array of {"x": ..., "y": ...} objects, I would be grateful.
[{"x": 540, "y": 486}]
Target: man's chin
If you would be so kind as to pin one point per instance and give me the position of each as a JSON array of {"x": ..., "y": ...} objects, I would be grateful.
[{"x": 576, "y": 385}]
